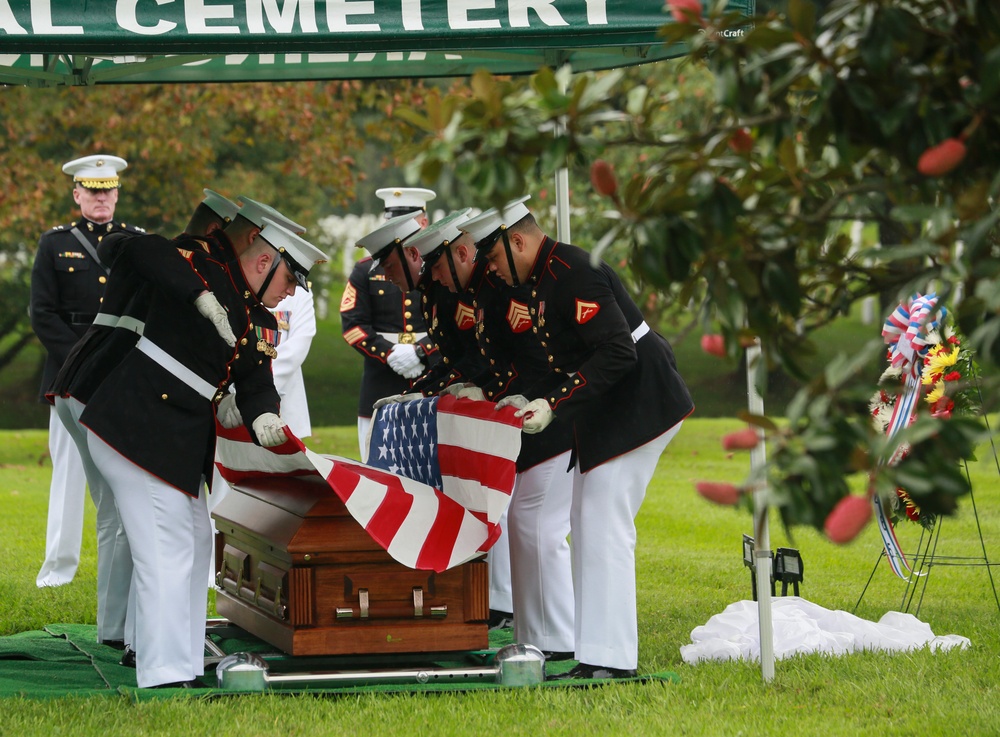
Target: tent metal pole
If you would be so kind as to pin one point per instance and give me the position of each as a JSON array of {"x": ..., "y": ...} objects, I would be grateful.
[
  {"x": 562, "y": 205},
  {"x": 562, "y": 189},
  {"x": 762, "y": 535}
]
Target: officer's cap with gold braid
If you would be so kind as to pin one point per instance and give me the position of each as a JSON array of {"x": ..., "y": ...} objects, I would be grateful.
[
  {"x": 256, "y": 212},
  {"x": 485, "y": 229},
  {"x": 96, "y": 172},
  {"x": 392, "y": 232},
  {"x": 432, "y": 240},
  {"x": 404, "y": 200},
  {"x": 222, "y": 206},
  {"x": 298, "y": 254}
]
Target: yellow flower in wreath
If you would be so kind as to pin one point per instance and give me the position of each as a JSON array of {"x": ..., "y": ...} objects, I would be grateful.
[{"x": 938, "y": 360}]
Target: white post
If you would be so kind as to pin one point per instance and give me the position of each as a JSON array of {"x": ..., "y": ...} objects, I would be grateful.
[
  {"x": 562, "y": 205},
  {"x": 762, "y": 535},
  {"x": 562, "y": 193},
  {"x": 857, "y": 243}
]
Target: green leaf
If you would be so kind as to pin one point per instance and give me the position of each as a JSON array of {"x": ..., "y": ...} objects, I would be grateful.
[
  {"x": 989, "y": 76},
  {"x": 802, "y": 16},
  {"x": 781, "y": 284},
  {"x": 598, "y": 88}
]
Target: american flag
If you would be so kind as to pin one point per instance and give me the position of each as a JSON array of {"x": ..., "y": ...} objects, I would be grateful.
[
  {"x": 442, "y": 519},
  {"x": 459, "y": 446}
]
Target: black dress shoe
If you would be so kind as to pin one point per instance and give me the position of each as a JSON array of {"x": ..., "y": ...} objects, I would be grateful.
[
  {"x": 116, "y": 644},
  {"x": 193, "y": 683},
  {"x": 500, "y": 620},
  {"x": 128, "y": 658},
  {"x": 555, "y": 655},
  {"x": 593, "y": 672}
]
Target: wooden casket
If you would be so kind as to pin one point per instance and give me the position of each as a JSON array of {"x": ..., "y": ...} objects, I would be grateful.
[{"x": 297, "y": 571}]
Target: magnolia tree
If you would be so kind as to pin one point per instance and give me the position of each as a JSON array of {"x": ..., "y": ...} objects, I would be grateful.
[{"x": 881, "y": 111}]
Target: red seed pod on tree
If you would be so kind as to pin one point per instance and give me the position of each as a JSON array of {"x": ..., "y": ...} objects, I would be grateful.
[
  {"x": 940, "y": 159},
  {"x": 719, "y": 492},
  {"x": 741, "y": 141},
  {"x": 714, "y": 345},
  {"x": 685, "y": 11},
  {"x": 602, "y": 176},
  {"x": 744, "y": 439},
  {"x": 848, "y": 519}
]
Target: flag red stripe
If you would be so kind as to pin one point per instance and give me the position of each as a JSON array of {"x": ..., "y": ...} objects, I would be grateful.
[
  {"x": 343, "y": 479},
  {"x": 435, "y": 553},
  {"x": 391, "y": 513},
  {"x": 235, "y": 477},
  {"x": 450, "y": 404},
  {"x": 492, "y": 471}
]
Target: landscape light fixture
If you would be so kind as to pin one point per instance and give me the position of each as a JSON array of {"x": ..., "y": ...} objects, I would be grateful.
[{"x": 787, "y": 569}]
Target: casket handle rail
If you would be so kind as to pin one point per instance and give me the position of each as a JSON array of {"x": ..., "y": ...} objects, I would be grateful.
[{"x": 364, "y": 606}]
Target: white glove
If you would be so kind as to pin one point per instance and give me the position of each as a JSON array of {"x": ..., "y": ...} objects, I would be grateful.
[
  {"x": 471, "y": 392},
  {"x": 537, "y": 415},
  {"x": 210, "y": 309},
  {"x": 396, "y": 398},
  {"x": 518, "y": 401},
  {"x": 268, "y": 429},
  {"x": 228, "y": 413},
  {"x": 454, "y": 389},
  {"x": 403, "y": 359}
]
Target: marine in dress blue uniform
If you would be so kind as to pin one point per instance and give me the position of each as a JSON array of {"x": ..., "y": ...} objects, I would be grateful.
[
  {"x": 115, "y": 330},
  {"x": 538, "y": 566},
  {"x": 67, "y": 284},
  {"x": 620, "y": 389},
  {"x": 450, "y": 316},
  {"x": 380, "y": 318},
  {"x": 151, "y": 430}
]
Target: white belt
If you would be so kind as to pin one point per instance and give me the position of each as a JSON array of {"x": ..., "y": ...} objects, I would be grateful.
[
  {"x": 640, "y": 331},
  {"x": 177, "y": 368},
  {"x": 394, "y": 337},
  {"x": 112, "y": 321}
]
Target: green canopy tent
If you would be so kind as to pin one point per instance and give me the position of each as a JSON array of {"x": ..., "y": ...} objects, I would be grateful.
[
  {"x": 67, "y": 42},
  {"x": 51, "y": 43}
]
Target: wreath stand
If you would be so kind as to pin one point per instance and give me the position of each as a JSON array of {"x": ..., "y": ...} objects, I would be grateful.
[{"x": 926, "y": 556}]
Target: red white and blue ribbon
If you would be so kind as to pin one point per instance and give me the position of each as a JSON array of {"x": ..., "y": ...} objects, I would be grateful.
[
  {"x": 903, "y": 414},
  {"x": 906, "y": 331}
]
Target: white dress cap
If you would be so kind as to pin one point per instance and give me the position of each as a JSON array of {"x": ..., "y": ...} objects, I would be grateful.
[
  {"x": 392, "y": 231},
  {"x": 224, "y": 207},
  {"x": 96, "y": 172},
  {"x": 440, "y": 233},
  {"x": 255, "y": 212},
  {"x": 485, "y": 228},
  {"x": 399, "y": 200},
  {"x": 299, "y": 254}
]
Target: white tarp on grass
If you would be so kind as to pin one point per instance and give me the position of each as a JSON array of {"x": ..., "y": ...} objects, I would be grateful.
[{"x": 803, "y": 627}]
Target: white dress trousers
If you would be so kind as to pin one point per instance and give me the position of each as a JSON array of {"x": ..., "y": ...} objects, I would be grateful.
[
  {"x": 541, "y": 567},
  {"x": 364, "y": 425},
  {"x": 114, "y": 559},
  {"x": 67, "y": 497},
  {"x": 498, "y": 559},
  {"x": 170, "y": 536},
  {"x": 606, "y": 500}
]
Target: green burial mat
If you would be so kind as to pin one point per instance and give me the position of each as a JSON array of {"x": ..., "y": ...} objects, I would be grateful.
[{"x": 65, "y": 659}]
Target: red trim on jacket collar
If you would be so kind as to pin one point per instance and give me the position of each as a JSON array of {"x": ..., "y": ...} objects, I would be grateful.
[{"x": 541, "y": 259}]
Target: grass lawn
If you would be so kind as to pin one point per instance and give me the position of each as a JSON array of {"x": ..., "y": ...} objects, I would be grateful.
[{"x": 689, "y": 568}]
